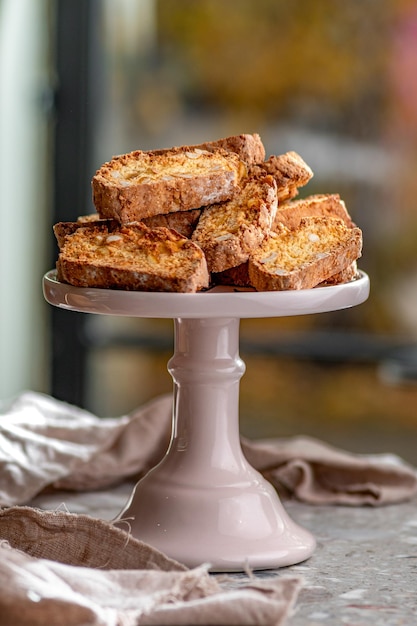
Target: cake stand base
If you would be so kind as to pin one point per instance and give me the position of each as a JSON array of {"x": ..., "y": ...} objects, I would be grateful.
[
  {"x": 204, "y": 503},
  {"x": 231, "y": 527}
]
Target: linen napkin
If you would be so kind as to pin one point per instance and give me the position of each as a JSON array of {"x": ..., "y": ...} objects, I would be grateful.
[
  {"x": 88, "y": 573},
  {"x": 48, "y": 443},
  {"x": 317, "y": 473}
]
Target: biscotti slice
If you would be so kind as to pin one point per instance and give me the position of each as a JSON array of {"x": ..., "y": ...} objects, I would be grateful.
[
  {"x": 249, "y": 148},
  {"x": 234, "y": 277},
  {"x": 132, "y": 257},
  {"x": 291, "y": 213},
  {"x": 302, "y": 258},
  {"x": 350, "y": 273},
  {"x": 137, "y": 185},
  {"x": 228, "y": 232},
  {"x": 62, "y": 229},
  {"x": 184, "y": 222},
  {"x": 290, "y": 172},
  {"x": 239, "y": 276}
]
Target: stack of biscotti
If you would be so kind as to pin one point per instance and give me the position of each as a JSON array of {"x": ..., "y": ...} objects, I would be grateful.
[
  {"x": 225, "y": 214},
  {"x": 312, "y": 242},
  {"x": 144, "y": 199}
]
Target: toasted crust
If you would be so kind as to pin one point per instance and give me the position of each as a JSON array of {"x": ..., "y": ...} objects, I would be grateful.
[
  {"x": 301, "y": 259},
  {"x": 62, "y": 229},
  {"x": 291, "y": 213},
  {"x": 184, "y": 222},
  {"x": 239, "y": 276},
  {"x": 228, "y": 232},
  {"x": 290, "y": 172},
  {"x": 137, "y": 185},
  {"x": 132, "y": 257},
  {"x": 235, "y": 276},
  {"x": 345, "y": 276},
  {"x": 249, "y": 148}
]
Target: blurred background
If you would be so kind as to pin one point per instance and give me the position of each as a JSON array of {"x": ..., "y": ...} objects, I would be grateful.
[{"x": 336, "y": 81}]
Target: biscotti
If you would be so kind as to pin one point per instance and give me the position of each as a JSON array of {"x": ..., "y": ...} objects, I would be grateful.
[
  {"x": 291, "y": 213},
  {"x": 184, "y": 222},
  {"x": 302, "y": 258},
  {"x": 233, "y": 277},
  {"x": 345, "y": 276},
  {"x": 62, "y": 229},
  {"x": 238, "y": 212},
  {"x": 132, "y": 257},
  {"x": 249, "y": 148},
  {"x": 239, "y": 276},
  {"x": 290, "y": 172},
  {"x": 139, "y": 184},
  {"x": 228, "y": 232}
]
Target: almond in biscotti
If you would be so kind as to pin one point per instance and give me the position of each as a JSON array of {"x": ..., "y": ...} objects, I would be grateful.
[
  {"x": 302, "y": 258},
  {"x": 132, "y": 257},
  {"x": 229, "y": 232},
  {"x": 141, "y": 184}
]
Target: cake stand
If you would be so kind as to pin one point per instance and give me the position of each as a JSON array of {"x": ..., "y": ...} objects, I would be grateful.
[{"x": 204, "y": 503}]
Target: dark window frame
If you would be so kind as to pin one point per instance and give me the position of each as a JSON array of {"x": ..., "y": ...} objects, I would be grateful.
[{"x": 74, "y": 40}]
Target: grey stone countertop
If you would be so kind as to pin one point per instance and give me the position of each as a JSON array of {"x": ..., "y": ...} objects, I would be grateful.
[{"x": 364, "y": 569}]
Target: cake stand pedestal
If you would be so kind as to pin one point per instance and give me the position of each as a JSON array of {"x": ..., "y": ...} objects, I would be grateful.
[{"x": 204, "y": 503}]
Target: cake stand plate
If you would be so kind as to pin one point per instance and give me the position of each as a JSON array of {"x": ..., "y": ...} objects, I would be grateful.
[{"x": 204, "y": 503}]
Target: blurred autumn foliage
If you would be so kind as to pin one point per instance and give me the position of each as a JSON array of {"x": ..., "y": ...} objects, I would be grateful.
[{"x": 270, "y": 56}]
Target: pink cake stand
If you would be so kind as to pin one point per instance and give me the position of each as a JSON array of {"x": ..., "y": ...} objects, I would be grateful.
[{"x": 204, "y": 503}]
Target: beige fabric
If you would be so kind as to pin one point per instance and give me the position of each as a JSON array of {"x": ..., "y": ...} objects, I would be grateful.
[
  {"x": 318, "y": 473},
  {"x": 43, "y": 440},
  {"x": 46, "y": 443},
  {"x": 61, "y": 568},
  {"x": 78, "y": 540},
  {"x": 88, "y": 573}
]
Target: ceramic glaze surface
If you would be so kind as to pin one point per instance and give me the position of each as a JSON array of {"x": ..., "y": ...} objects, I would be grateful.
[
  {"x": 204, "y": 503},
  {"x": 217, "y": 302}
]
